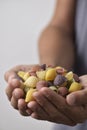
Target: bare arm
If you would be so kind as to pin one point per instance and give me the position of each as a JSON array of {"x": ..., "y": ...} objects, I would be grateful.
[{"x": 56, "y": 44}]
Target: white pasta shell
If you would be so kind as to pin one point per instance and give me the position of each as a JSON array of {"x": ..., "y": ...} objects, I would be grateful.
[
  {"x": 41, "y": 75},
  {"x": 31, "y": 82}
]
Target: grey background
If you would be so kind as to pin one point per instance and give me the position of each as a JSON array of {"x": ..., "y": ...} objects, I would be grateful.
[{"x": 21, "y": 22}]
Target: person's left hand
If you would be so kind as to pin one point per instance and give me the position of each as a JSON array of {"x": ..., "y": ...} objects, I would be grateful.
[{"x": 50, "y": 106}]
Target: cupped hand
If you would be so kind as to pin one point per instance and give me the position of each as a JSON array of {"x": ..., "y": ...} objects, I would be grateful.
[
  {"x": 50, "y": 106},
  {"x": 13, "y": 90}
]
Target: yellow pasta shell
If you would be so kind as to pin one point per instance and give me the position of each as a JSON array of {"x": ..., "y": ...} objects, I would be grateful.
[
  {"x": 29, "y": 96},
  {"x": 21, "y": 74},
  {"x": 75, "y": 87},
  {"x": 50, "y": 74},
  {"x": 41, "y": 75},
  {"x": 69, "y": 75}
]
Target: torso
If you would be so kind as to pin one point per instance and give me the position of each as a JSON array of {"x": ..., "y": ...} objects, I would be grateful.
[{"x": 81, "y": 37}]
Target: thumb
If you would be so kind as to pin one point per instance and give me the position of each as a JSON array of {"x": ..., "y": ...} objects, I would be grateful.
[{"x": 77, "y": 98}]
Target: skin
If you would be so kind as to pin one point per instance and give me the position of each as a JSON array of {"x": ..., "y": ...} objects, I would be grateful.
[
  {"x": 56, "y": 42},
  {"x": 14, "y": 93},
  {"x": 69, "y": 111}
]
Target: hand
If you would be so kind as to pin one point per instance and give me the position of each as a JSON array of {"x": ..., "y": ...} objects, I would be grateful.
[
  {"x": 13, "y": 91},
  {"x": 50, "y": 106}
]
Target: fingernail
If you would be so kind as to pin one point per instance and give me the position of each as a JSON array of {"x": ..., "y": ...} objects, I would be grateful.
[
  {"x": 71, "y": 100},
  {"x": 35, "y": 94},
  {"x": 29, "y": 104}
]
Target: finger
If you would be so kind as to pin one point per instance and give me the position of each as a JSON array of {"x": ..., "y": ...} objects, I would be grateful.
[
  {"x": 13, "y": 71},
  {"x": 22, "y": 106},
  {"x": 53, "y": 97},
  {"x": 14, "y": 103},
  {"x": 36, "y": 116},
  {"x": 13, "y": 83},
  {"x": 38, "y": 111},
  {"x": 77, "y": 98},
  {"x": 18, "y": 93},
  {"x": 46, "y": 105},
  {"x": 58, "y": 101},
  {"x": 9, "y": 74},
  {"x": 83, "y": 81},
  {"x": 51, "y": 109},
  {"x": 79, "y": 113},
  {"x": 8, "y": 92}
]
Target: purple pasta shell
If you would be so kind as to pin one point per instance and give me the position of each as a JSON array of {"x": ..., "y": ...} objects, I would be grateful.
[
  {"x": 76, "y": 77},
  {"x": 59, "y": 80},
  {"x": 43, "y": 66}
]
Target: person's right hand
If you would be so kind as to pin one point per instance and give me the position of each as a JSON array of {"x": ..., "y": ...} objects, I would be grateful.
[{"x": 13, "y": 91}]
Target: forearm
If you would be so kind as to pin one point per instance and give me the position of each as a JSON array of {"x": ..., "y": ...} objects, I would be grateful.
[
  {"x": 64, "y": 14},
  {"x": 56, "y": 47},
  {"x": 56, "y": 43}
]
